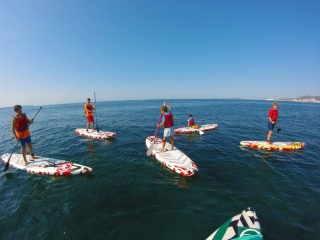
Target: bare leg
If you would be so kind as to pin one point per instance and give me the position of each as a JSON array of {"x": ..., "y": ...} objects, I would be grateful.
[
  {"x": 269, "y": 136},
  {"x": 87, "y": 126},
  {"x": 172, "y": 142},
  {"x": 23, "y": 152},
  {"x": 164, "y": 140},
  {"x": 31, "y": 151},
  {"x": 92, "y": 126}
]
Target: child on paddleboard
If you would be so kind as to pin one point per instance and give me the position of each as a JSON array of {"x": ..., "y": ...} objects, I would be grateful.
[
  {"x": 88, "y": 109},
  {"x": 167, "y": 123},
  {"x": 191, "y": 123},
  {"x": 20, "y": 130},
  {"x": 273, "y": 116}
]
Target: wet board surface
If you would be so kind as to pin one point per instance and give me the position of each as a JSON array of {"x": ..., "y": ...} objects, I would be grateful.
[
  {"x": 94, "y": 134},
  {"x": 45, "y": 166},
  {"x": 173, "y": 159},
  {"x": 274, "y": 146},
  {"x": 242, "y": 226},
  {"x": 204, "y": 128}
]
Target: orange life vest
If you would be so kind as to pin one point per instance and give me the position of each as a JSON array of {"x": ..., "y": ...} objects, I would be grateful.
[
  {"x": 88, "y": 107},
  {"x": 21, "y": 126}
]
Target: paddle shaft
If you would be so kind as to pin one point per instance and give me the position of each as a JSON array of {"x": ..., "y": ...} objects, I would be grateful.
[
  {"x": 154, "y": 138},
  {"x": 7, "y": 164},
  {"x": 95, "y": 105},
  {"x": 157, "y": 129}
]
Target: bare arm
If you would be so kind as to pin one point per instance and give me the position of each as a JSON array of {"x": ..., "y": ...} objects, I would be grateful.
[{"x": 13, "y": 123}]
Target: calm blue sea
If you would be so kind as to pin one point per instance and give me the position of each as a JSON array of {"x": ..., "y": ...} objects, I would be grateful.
[{"x": 131, "y": 196}]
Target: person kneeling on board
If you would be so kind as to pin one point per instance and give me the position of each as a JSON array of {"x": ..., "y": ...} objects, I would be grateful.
[
  {"x": 191, "y": 123},
  {"x": 20, "y": 130},
  {"x": 167, "y": 123}
]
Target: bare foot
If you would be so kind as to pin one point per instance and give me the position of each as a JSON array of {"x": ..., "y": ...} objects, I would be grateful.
[{"x": 25, "y": 163}]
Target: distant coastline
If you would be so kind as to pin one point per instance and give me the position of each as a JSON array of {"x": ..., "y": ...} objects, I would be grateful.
[{"x": 312, "y": 99}]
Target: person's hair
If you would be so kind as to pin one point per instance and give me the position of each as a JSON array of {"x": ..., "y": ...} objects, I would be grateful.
[
  {"x": 190, "y": 115},
  {"x": 275, "y": 104},
  {"x": 16, "y": 107},
  {"x": 88, "y": 99},
  {"x": 163, "y": 108}
]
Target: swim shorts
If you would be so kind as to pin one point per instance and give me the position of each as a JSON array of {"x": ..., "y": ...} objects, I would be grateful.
[
  {"x": 90, "y": 119},
  {"x": 23, "y": 141},
  {"x": 168, "y": 132},
  {"x": 270, "y": 126}
]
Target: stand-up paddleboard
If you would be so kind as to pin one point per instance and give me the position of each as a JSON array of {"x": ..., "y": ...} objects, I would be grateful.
[
  {"x": 206, "y": 127},
  {"x": 275, "y": 146},
  {"x": 173, "y": 159},
  {"x": 94, "y": 134},
  {"x": 46, "y": 166},
  {"x": 244, "y": 226}
]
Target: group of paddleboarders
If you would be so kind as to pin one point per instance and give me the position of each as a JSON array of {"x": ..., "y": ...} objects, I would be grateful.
[{"x": 20, "y": 125}]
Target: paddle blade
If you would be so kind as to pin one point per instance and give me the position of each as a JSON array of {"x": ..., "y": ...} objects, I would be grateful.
[
  {"x": 97, "y": 128},
  {"x": 279, "y": 129},
  {"x": 150, "y": 149},
  {"x": 201, "y": 132},
  {"x": 6, "y": 167}
]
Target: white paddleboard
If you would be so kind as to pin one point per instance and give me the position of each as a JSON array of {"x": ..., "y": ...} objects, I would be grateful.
[
  {"x": 45, "y": 166},
  {"x": 206, "y": 127},
  {"x": 173, "y": 159},
  {"x": 275, "y": 146},
  {"x": 95, "y": 134},
  {"x": 242, "y": 226}
]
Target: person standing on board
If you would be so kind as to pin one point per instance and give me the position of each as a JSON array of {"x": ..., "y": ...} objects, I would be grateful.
[
  {"x": 88, "y": 109},
  {"x": 20, "y": 130},
  {"x": 273, "y": 116},
  {"x": 191, "y": 123},
  {"x": 167, "y": 123}
]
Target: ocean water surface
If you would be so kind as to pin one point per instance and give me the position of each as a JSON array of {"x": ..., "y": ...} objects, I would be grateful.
[{"x": 131, "y": 196}]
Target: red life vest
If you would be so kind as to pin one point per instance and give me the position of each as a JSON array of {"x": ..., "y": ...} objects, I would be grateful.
[
  {"x": 168, "y": 120},
  {"x": 88, "y": 107},
  {"x": 21, "y": 123},
  {"x": 191, "y": 122},
  {"x": 273, "y": 113}
]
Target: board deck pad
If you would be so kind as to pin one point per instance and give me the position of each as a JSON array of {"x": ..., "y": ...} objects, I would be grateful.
[
  {"x": 275, "y": 146},
  {"x": 46, "y": 166},
  {"x": 173, "y": 159},
  {"x": 94, "y": 134},
  {"x": 204, "y": 128},
  {"x": 242, "y": 226}
]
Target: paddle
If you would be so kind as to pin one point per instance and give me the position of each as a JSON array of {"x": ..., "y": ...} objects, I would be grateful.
[
  {"x": 154, "y": 138},
  {"x": 95, "y": 106},
  {"x": 7, "y": 164},
  {"x": 278, "y": 129},
  {"x": 200, "y": 131}
]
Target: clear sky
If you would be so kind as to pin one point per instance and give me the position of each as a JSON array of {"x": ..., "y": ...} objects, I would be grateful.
[{"x": 62, "y": 51}]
